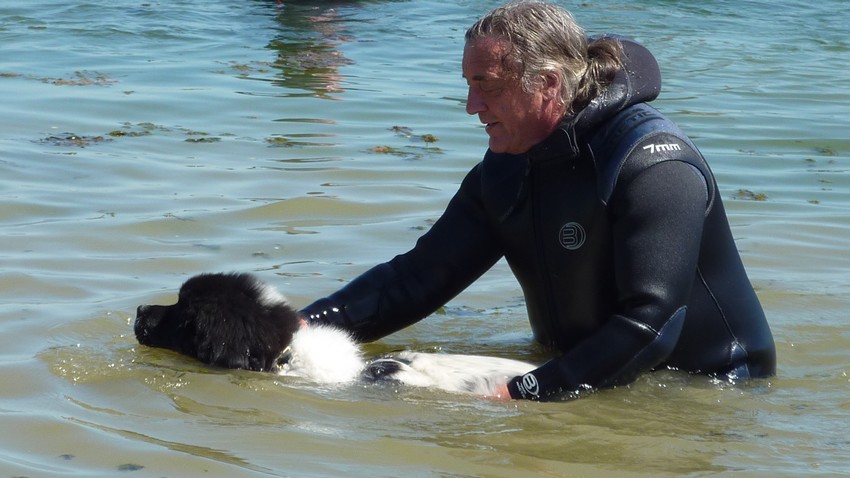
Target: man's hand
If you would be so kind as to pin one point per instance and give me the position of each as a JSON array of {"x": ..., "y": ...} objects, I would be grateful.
[{"x": 501, "y": 393}]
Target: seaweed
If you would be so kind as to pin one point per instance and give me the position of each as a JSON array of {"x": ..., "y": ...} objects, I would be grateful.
[
  {"x": 747, "y": 194},
  {"x": 71, "y": 139}
]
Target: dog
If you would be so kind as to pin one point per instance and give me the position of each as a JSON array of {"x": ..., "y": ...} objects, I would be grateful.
[{"x": 234, "y": 320}]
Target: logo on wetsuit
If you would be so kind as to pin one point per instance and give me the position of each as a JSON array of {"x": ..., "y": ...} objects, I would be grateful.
[
  {"x": 528, "y": 386},
  {"x": 572, "y": 236}
]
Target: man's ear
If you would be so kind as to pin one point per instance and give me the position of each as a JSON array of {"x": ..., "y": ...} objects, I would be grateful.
[{"x": 551, "y": 86}]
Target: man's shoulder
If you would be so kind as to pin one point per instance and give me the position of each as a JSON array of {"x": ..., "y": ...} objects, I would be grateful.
[{"x": 634, "y": 140}]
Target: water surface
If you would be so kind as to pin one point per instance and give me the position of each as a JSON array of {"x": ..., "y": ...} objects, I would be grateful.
[{"x": 144, "y": 142}]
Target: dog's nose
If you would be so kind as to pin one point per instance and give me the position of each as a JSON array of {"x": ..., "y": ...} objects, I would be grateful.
[{"x": 139, "y": 324}]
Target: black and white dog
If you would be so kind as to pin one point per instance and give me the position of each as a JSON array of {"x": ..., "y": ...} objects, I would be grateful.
[{"x": 237, "y": 321}]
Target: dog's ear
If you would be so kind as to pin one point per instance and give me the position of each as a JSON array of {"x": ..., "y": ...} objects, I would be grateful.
[
  {"x": 244, "y": 334},
  {"x": 223, "y": 335}
]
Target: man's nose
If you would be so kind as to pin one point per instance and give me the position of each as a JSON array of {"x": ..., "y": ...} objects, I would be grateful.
[{"x": 474, "y": 103}]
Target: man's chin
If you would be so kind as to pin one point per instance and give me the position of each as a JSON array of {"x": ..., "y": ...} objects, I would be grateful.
[
  {"x": 502, "y": 148},
  {"x": 502, "y": 145},
  {"x": 497, "y": 146}
]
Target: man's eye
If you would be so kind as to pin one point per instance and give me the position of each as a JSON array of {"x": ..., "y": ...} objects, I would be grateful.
[{"x": 491, "y": 88}]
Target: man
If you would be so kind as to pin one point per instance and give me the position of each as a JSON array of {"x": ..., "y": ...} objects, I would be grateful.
[{"x": 605, "y": 211}]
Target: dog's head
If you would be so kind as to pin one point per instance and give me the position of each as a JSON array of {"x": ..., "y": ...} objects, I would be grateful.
[{"x": 227, "y": 320}]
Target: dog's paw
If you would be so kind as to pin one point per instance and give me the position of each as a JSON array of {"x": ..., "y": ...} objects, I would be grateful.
[{"x": 383, "y": 369}]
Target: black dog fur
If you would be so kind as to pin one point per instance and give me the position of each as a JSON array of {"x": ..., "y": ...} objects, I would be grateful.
[{"x": 226, "y": 320}]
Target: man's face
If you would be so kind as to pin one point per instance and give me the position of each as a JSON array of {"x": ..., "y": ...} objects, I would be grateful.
[{"x": 516, "y": 120}]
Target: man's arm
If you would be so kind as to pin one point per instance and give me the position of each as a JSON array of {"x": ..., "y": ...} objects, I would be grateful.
[{"x": 458, "y": 249}]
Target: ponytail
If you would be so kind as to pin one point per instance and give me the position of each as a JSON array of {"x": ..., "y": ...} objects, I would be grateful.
[{"x": 604, "y": 60}]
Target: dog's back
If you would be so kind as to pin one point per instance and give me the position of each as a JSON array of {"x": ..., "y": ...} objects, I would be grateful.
[{"x": 474, "y": 374}]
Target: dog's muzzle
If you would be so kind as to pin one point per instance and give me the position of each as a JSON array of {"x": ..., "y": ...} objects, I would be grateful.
[{"x": 142, "y": 325}]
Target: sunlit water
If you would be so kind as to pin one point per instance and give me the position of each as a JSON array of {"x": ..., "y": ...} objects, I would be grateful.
[{"x": 143, "y": 142}]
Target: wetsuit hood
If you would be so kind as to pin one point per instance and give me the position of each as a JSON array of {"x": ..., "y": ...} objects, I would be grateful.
[{"x": 639, "y": 81}]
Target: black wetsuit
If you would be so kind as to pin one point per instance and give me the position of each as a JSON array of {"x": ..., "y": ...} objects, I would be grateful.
[{"x": 616, "y": 233}]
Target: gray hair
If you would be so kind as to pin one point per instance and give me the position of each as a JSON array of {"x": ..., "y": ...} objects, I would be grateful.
[{"x": 545, "y": 38}]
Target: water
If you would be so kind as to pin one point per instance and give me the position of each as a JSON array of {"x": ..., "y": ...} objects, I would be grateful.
[{"x": 143, "y": 142}]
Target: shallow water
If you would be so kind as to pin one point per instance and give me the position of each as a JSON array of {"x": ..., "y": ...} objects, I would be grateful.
[{"x": 144, "y": 142}]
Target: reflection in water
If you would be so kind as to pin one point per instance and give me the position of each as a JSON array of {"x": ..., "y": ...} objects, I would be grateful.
[{"x": 307, "y": 47}]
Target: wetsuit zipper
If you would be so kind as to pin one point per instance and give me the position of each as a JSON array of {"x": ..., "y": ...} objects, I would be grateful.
[{"x": 540, "y": 254}]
